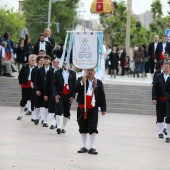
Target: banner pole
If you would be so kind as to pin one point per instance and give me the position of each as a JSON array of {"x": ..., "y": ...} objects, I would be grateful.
[{"x": 85, "y": 109}]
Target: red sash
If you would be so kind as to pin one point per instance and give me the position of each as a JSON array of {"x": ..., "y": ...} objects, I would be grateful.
[
  {"x": 88, "y": 104},
  {"x": 162, "y": 98},
  {"x": 153, "y": 55},
  {"x": 28, "y": 85},
  {"x": 65, "y": 89},
  {"x": 161, "y": 57}
]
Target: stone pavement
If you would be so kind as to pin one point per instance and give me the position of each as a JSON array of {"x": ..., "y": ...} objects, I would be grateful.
[{"x": 124, "y": 142}]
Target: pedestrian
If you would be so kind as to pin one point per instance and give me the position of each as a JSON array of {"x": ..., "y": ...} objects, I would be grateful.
[
  {"x": 27, "y": 47},
  {"x": 123, "y": 60},
  {"x": 39, "y": 84},
  {"x": 25, "y": 84},
  {"x": 95, "y": 97},
  {"x": 159, "y": 98},
  {"x": 64, "y": 80},
  {"x": 48, "y": 92}
]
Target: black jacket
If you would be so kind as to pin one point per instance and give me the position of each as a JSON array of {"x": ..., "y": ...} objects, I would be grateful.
[
  {"x": 58, "y": 82},
  {"x": 167, "y": 88},
  {"x": 40, "y": 78},
  {"x": 28, "y": 50},
  {"x": 48, "y": 48},
  {"x": 99, "y": 94},
  {"x": 160, "y": 48},
  {"x": 49, "y": 82},
  {"x": 151, "y": 50},
  {"x": 20, "y": 55},
  {"x": 23, "y": 75},
  {"x": 33, "y": 73},
  {"x": 158, "y": 86}
]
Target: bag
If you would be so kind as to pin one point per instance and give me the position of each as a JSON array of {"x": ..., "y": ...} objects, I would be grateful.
[{"x": 146, "y": 59}]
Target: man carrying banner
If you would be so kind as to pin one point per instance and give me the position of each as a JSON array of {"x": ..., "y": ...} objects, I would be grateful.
[{"x": 95, "y": 97}]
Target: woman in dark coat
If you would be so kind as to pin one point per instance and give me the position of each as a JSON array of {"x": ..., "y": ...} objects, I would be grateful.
[
  {"x": 122, "y": 60},
  {"x": 21, "y": 58},
  {"x": 27, "y": 47},
  {"x": 113, "y": 61}
]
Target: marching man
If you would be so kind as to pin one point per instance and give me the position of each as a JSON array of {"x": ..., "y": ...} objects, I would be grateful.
[{"x": 95, "y": 97}]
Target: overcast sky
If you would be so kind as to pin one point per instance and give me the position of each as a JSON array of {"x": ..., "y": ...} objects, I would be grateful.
[{"x": 138, "y": 6}]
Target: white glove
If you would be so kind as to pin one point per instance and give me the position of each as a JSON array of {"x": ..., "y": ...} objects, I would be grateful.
[{"x": 32, "y": 85}]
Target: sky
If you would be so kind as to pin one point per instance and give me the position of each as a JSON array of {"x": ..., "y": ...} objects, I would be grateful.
[{"x": 138, "y": 7}]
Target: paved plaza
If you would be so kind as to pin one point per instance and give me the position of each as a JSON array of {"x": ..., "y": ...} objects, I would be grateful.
[{"x": 124, "y": 142}]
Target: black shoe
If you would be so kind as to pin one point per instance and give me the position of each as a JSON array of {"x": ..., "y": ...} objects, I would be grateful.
[
  {"x": 36, "y": 122},
  {"x": 161, "y": 136},
  {"x": 9, "y": 75},
  {"x": 63, "y": 131},
  {"x": 28, "y": 113},
  {"x": 82, "y": 150},
  {"x": 58, "y": 131},
  {"x": 32, "y": 120},
  {"x": 56, "y": 126},
  {"x": 42, "y": 122},
  {"x": 45, "y": 125},
  {"x": 25, "y": 109},
  {"x": 92, "y": 151},
  {"x": 167, "y": 140},
  {"x": 13, "y": 70},
  {"x": 19, "y": 118},
  {"x": 52, "y": 127},
  {"x": 164, "y": 131}
]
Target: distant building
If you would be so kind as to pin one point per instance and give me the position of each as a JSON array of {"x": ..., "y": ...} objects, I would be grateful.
[
  {"x": 145, "y": 19},
  {"x": 90, "y": 25},
  {"x": 20, "y": 6}
]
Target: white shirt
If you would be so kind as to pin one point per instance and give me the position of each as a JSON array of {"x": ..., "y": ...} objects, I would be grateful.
[
  {"x": 163, "y": 46},
  {"x": 29, "y": 77},
  {"x": 42, "y": 46},
  {"x": 46, "y": 39},
  {"x": 3, "y": 51},
  {"x": 166, "y": 77},
  {"x": 46, "y": 69},
  {"x": 155, "y": 45},
  {"x": 65, "y": 76}
]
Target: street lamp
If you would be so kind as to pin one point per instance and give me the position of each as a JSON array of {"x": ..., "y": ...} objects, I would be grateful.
[{"x": 49, "y": 10}]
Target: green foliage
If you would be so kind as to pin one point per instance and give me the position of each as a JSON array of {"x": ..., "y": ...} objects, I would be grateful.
[
  {"x": 156, "y": 9},
  {"x": 11, "y": 22},
  {"x": 36, "y": 13},
  {"x": 115, "y": 27}
]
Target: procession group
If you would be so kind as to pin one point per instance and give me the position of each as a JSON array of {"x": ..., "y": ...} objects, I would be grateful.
[
  {"x": 51, "y": 88},
  {"x": 159, "y": 53}
]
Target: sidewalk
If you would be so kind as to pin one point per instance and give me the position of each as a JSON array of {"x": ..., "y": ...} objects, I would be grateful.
[{"x": 124, "y": 142}]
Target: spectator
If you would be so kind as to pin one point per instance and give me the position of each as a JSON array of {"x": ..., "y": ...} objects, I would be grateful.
[
  {"x": 145, "y": 61},
  {"x": 27, "y": 47},
  {"x": 138, "y": 56},
  {"x": 113, "y": 59},
  {"x": 20, "y": 54},
  {"x": 4, "y": 60},
  {"x": 122, "y": 60},
  {"x": 8, "y": 47}
]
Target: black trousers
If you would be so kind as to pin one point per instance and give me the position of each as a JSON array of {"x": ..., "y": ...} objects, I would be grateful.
[
  {"x": 26, "y": 95},
  {"x": 123, "y": 68},
  {"x": 151, "y": 65},
  {"x": 63, "y": 106},
  {"x": 51, "y": 103},
  {"x": 161, "y": 110},
  {"x": 33, "y": 99},
  {"x": 88, "y": 125},
  {"x": 40, "y": 102}
]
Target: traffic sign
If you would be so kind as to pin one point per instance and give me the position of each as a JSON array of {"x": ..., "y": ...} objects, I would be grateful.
[{"x": 167, "y": 32}]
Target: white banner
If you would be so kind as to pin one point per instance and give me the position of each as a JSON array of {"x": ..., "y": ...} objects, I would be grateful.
[{"x": 85, "y": 50}]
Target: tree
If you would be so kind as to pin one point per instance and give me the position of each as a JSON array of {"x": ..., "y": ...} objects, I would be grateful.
[
  {"x": 115, "y": 27},
  {"x": 156, "y": 9},
  {"x": 36, "y": 13},
  {"x": 11, "y": 22}
]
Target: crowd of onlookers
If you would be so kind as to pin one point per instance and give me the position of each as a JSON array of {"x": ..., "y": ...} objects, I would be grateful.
[
  {"x": 118, "y": 63},
  {"x": 17, "y": 53}
]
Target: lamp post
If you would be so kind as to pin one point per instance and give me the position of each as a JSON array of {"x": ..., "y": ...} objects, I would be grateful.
[
  {"x": 49, "y": 11},
  {"x": 129, "y": 10}
]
